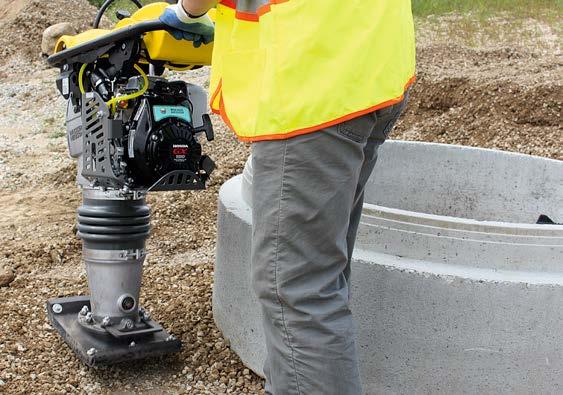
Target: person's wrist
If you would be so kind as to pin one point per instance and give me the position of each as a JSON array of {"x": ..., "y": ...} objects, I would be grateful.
[{"x": 190, "y": 13}]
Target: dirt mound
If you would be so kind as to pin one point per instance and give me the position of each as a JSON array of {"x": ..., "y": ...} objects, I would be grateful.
[
  {"x": 63, "y": 177},
  {"x": 501, "y": 98},
  {"x": 22, "y": 22}
]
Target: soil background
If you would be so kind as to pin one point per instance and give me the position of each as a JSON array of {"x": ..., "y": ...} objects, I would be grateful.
[{"x": 497, "y": 85}]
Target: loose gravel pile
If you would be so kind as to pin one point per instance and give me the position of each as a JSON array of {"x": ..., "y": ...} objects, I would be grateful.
[
  {"x": 504, "y": 97},
  {"x": 505, "y": 93},
  {"x": 22, "y": 23}
]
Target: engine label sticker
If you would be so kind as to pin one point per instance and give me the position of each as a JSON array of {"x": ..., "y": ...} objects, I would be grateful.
[
  {"x": 163, "y": 112},
  {"x": 180, "y": 152}
]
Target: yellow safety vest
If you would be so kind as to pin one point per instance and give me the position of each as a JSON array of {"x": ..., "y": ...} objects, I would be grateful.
[{"x": 282, "y": 68}]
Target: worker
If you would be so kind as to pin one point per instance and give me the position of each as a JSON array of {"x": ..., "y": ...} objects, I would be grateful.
[{"x": 316, "y": 86}]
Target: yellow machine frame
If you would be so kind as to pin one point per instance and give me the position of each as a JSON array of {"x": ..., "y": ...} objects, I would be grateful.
[{"x": 160, "y": 45}]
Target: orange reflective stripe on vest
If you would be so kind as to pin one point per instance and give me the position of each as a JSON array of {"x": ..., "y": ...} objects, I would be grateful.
[{"x": 287, "y": 67}]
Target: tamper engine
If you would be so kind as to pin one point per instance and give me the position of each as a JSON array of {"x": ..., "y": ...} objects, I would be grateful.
[{"x": 132, "y": 131}]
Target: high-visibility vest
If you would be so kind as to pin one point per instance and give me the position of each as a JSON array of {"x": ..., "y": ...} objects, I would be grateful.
[{"x": 282, "y": 68}]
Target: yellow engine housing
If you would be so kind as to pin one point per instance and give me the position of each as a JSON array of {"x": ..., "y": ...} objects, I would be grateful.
[{"x": 160, "y": 45}]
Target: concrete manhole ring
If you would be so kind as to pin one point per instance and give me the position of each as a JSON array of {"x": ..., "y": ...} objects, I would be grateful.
[{"x": 455, "y": 285}]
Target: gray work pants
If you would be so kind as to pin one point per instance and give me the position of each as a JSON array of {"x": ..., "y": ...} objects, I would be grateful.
[{"x": 307, "y": 202}]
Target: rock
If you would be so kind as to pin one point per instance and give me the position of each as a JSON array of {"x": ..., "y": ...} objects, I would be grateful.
[
  {"x": 6, "y": 276},
  {"x": 52, "y": 34},
  {"x": 56, "y": 256}
]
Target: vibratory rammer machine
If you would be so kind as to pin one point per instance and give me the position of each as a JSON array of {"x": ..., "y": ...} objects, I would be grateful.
[{"x": 131, "y": 131}]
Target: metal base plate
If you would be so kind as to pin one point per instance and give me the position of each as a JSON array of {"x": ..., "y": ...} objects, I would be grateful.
[{"x": 108, "y": 350}]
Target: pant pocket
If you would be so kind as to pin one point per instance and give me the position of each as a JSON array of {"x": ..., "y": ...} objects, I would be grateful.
[
  {"x": 388, "y": 117},
  {"x": 357, "y": 129}
]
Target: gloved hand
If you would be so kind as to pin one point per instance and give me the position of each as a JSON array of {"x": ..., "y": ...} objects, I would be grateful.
[{"x": 200, "y": 30}]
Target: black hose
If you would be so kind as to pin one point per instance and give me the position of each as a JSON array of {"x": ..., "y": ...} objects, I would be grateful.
[{"x": 105, "y": 6}]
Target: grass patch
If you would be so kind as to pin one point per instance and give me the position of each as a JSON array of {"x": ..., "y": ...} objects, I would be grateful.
[
  {"x": 487, "y": 8},
  {"x": 482, "y": 22}
]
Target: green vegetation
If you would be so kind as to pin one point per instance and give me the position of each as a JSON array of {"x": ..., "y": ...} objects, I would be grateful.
[
  {"x": 476, "y": 22},
  {"x": 489, "y": 7}
]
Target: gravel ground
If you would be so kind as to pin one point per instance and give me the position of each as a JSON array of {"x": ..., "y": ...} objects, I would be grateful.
[{"x": 506, "y": 96}]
